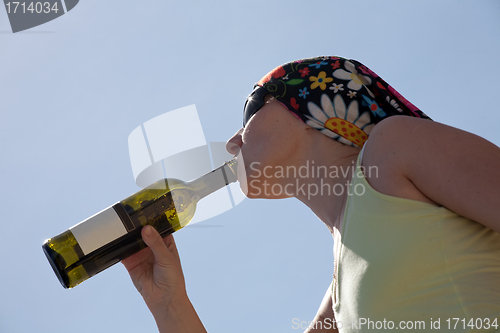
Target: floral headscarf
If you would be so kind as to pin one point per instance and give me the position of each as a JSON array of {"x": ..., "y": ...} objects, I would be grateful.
[{"x": 341, "y": 98}]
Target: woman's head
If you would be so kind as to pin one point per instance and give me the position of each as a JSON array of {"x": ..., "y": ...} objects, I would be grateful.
[
  {"x": 324, "y": 105},
  {"x": 341, "y": 98},
  {"x": 273, "y": 137}
]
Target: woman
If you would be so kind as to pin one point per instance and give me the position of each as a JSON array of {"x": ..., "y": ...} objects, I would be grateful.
[{"x": 413, "y": 210}]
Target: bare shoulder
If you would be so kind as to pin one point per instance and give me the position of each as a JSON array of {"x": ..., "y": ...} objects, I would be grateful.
[
  {"x": 383, "y": 152},
  {"x": 432, "y": 162}
]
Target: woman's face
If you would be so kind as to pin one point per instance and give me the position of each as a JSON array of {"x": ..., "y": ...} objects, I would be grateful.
[{"x": 269, "y": 139}]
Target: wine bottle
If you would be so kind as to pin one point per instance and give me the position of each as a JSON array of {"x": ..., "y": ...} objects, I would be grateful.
[{"x": 114, "y": 234}]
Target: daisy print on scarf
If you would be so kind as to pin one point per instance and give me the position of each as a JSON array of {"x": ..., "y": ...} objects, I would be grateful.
[
  {"x": 339, "y": 122},
  {"x": 356, "y": 80}
]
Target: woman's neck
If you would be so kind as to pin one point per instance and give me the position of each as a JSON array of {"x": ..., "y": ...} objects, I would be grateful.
[{"x": 324, "y": 183}]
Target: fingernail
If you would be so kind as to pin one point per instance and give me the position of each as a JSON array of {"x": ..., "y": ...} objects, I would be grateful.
[{"x": 148, "y": 232}]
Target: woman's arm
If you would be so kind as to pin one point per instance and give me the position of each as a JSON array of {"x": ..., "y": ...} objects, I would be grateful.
[
  {"x": 454, "y": 168},
  {"x": 324, "y": 321},
  {"x": 178, "y": 318},
  {"x": 157, "y": 274}
]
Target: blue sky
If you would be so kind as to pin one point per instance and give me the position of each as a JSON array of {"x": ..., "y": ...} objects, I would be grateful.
[{"x": 73, "y": 89}]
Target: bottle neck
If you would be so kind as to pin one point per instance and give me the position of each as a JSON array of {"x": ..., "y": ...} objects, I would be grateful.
[{"x": 215, "y": 179}]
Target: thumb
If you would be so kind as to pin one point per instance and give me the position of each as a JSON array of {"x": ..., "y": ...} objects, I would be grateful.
[{"x": 152, "y": 238}]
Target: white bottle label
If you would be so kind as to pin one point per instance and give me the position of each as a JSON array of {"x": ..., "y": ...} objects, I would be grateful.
[{"x": 98, "y": 230}]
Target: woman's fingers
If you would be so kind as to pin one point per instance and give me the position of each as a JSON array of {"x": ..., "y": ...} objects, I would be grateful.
[
  {"x": 160, "y": 251},
  {"x": 166, "y": 272},
  {"x": 172, "y": 247}
]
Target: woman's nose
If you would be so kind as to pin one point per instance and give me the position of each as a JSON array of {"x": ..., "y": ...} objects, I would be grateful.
[{"x": 233, "y": 145}]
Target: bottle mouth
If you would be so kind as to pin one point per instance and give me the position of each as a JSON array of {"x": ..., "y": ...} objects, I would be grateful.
[{"x": 232, "y": 165}]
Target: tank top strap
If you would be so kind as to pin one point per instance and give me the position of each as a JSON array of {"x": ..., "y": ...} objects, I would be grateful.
[{"x": 360, "y": 159}]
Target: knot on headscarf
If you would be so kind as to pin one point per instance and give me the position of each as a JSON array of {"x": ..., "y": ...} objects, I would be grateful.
[{"x": 341, "y": 98}]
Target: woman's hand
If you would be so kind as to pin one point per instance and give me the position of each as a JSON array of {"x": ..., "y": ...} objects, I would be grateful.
[
  {"x": 156, "y": 271},
  {"x": 157, "y": 274}
]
